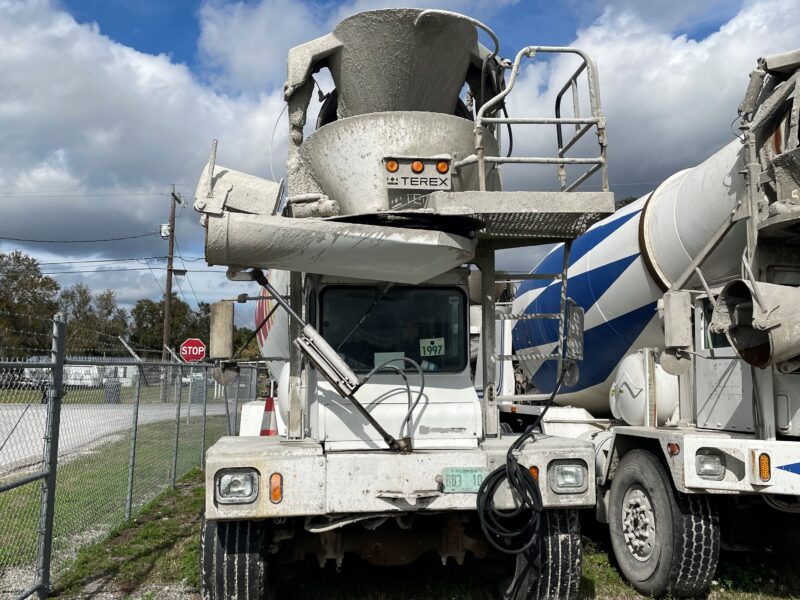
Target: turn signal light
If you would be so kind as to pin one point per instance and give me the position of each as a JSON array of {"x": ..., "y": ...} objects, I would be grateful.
[
  {"x": 417, "y": 166},
  {"x": 442, "y": 166},
  {"x": 275, "y": 488},
  {"x": 764, "y": 467},
  {"x": 534, "y": 472},
  {"x": 392, "y": 166}
]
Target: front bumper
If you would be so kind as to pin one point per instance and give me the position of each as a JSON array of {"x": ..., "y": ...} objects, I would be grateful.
[
  {"x": 319, "y": 483},
  {"x": 741, "y": 458}
]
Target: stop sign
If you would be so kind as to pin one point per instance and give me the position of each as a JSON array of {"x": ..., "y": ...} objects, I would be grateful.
[{"x": 193, "y": 350}]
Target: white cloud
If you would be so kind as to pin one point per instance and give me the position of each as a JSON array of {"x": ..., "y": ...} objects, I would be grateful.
[
  {"x": 95, "y": 131},
  {"x": 669, "y": 100},
  {"x": 246, "y": 43}
]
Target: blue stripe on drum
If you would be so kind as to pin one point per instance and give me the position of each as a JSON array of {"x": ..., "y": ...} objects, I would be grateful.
[{"x": 604, "y": 347}]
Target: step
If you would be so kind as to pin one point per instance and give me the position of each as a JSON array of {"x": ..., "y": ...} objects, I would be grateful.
[
  {"x": 514, "y": 218},
  {"x": 526, "y": 316},
  {"x": 527, "y": 355}
]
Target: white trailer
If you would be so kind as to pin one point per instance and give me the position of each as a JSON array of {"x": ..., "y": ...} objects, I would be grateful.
[
  {"x": 689, "y": 389},
  {"x": 387, "y": 449}
]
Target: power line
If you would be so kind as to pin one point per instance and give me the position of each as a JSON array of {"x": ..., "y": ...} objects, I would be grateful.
[
  {"x": 116, "y": 239},
  {"x": 77, "y": 195},
  {"x": 189, "y": 281},
  {"x": 78, "y": 271},
  {"x": 158, "y": 283},
  {"x": 104, "y": 260},
  {"x": 181, "y": 291}
]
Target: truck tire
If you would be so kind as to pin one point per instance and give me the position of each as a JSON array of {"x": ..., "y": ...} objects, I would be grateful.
[
  {"x": 664, "y": 541},
  {"x": 232, "y": 561},
  {"x": 558, "y": 576}
]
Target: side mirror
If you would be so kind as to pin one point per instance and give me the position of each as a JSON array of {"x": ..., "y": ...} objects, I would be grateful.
[{"x": 221, "y": 335}]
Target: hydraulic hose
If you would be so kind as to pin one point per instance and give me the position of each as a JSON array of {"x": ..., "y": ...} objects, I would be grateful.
[{"x": 516, "y": 530}]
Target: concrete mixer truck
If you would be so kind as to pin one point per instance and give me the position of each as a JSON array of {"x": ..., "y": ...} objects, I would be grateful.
[
  {"x": 379, "y": 250},
  {"x": 690, "y": 386}
]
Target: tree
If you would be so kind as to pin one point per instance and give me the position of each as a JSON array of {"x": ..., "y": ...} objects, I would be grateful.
[
  {"x": 93, "y": 321},
  {"x": 240, "y": 335},
  {"x": 28, "y": 301},
  {"x": 147, "y": 320},
  {"x": 624, "y": 202}
]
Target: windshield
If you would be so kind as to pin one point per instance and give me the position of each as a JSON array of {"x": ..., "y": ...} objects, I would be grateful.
[{"x": 427, "y": 325}]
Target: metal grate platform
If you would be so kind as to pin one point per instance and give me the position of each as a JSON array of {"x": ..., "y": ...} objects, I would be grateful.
[{"x": 525, "y": 217}]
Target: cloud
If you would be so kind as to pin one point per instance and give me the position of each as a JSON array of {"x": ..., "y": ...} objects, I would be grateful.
[
  {"x": 669, "y": 101},
  {"x": 244, "y": 44},
  {"x": 95, "y": 132},
  {"x": 662, "y": 15}
]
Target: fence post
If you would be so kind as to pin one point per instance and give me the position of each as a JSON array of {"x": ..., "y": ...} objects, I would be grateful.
[
  {"x": 46, "y": 515},
  {"x": 132, "y": 455},
  {"x": 227, "y": 408},
  {"x": 236, "y": 406},
  {"x": 203, "y": 434},
  {"x": 178, "y": 394}
]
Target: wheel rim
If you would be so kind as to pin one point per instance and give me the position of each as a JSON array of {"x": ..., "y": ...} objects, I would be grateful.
[{"x": 638, "y": 523}]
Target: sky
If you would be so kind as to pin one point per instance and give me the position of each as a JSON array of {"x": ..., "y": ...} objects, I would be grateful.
[{"x": 106, "y": 104}]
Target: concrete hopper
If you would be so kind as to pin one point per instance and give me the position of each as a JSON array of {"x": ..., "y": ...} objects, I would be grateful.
[
  {"x": 395, "y": 60},
  {"x": 345, "y": 158}
]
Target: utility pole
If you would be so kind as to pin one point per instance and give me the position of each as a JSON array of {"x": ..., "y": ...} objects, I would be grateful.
[{"x": 174, "y": 199}]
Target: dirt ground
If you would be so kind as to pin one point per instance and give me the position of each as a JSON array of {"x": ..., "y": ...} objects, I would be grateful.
[{"x": 156, "y": 557}]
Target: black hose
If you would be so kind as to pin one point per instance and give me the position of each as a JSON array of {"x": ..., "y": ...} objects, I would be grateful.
[
  {"x": 411, "y": 405},
  {"x": 516, "y": 530}
]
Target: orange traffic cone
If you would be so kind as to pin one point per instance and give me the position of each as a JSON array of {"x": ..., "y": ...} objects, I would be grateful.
[{"x": 269, "y": 425}]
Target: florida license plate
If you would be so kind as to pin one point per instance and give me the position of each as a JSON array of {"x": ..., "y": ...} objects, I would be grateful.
[{"x": 463, "y": 480}]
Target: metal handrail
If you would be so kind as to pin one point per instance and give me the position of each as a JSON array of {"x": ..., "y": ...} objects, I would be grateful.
[{"x": 582, "y": 124}]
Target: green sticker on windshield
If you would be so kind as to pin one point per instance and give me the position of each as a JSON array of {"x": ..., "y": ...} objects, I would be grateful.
[{"x": 431, "y": 347}]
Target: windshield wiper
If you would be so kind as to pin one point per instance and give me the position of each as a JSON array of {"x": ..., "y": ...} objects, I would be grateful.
[{"x": 363, "y": 318}]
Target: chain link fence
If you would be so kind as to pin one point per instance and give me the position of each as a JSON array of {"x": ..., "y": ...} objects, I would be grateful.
[{"x": 85, "y": 442}]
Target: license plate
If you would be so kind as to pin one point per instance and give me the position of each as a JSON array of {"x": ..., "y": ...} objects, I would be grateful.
[{"x": 463, "y": 480}]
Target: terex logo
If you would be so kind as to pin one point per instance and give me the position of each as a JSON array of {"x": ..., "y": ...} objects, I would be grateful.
[
  {"x": 428, "y": 181},
  {"x": 392, "y": 180}
]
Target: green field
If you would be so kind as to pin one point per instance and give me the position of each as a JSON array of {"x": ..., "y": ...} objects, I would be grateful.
[
  {"x": 94, "y": 395},
  {"x": 92, "y": 487}
]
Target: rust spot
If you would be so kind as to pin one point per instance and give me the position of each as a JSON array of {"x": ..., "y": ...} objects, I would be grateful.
[{"x": 777, "y": 141}]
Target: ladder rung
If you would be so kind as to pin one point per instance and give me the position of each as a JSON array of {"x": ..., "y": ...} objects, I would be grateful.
[
  {"x": 526, "y": 316},
  {"x": 524, "y": 355},
  {"x": 507, "y": 276}
]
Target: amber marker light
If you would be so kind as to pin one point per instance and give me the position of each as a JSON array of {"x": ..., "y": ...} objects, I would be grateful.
[
  {"x": 673, "y": 449},
  {"x": 275, "y": 488},
  {"x": 417, "y": 166},
  {"x": 442, "y": 166},
  {"x": 764, "y": 467},
  {"x": 534, "y": 472},
  {"x": 392, "y": 166}
]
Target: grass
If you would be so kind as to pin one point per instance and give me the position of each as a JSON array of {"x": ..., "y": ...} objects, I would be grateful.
[
  {"x": 160, "y": 551},
  {"x": 161, "y": 544},
  {"x": 92, "y": 487},
  {"x": 94, "y": 395}
]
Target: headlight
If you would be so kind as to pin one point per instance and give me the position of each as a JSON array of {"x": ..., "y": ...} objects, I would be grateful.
[
  {"x": 236, "y": 486},
  {"x": 709, "y": 465},
  {"x": 568, "y": 477}
]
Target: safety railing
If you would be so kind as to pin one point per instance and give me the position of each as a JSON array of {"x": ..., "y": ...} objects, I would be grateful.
[{"x": 486, "y": 116}]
